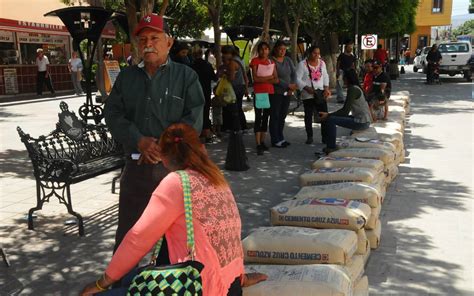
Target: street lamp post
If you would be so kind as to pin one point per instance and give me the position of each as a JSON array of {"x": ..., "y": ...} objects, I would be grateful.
[
  {"x": 355, "y": 9},
  {"x": 85, "y": 23}
]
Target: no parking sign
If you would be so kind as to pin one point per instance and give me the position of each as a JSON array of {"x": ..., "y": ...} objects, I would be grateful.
[{"x": 369, "y": 41}]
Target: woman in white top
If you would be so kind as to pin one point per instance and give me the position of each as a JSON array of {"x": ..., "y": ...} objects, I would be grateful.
[
  {"x": 75, "y": 68},
  {"x": 313, "y": 80}
]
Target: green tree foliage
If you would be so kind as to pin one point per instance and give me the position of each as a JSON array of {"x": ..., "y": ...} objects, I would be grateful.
[{"x": 465, "y": 29}]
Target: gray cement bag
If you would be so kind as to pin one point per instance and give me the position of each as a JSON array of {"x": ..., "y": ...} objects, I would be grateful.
[
  {"x": 389, "y": 125},
  {"x": 299, "y": 280},
  {"x": 352, "y": 162},
  {"x": 373, "y": 218},
  {"x": 337, "y": 175},
  {"x": 385, "y": 155},
  {"x": 298, "y": 245},
  {"x": 362, "y": 287},
  {"x": 374, "y": 235},
  {"x": 366, "y": 256},
  {"x": 351, "y": 190},
  {"x": 328, "y": 213}
]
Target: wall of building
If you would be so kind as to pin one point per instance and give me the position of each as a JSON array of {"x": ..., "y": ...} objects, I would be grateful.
[
  {"x": 414, "y": 38},
  {"x": 31, "y": 11},
  {"x": 426, "y": 17}
]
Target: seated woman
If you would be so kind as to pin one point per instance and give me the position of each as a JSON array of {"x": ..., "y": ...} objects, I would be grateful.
[
  {"x": 216, "y": 221},
  {"x": 355, "y": 104}
]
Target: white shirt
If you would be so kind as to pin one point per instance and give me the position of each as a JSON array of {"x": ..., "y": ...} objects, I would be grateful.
[
  {"x": 302, "y": 78},
  {"x": 76, "y": 64},
  {"x": 42, "y": 63}
]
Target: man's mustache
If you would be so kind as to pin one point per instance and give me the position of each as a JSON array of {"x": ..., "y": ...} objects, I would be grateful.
[{"x": 149, "y": 49}]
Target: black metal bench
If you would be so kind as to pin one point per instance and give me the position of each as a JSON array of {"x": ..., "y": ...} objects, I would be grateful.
[{"x": 73, "y": 152}]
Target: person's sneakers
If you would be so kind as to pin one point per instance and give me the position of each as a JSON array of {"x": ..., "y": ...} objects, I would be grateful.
[
  {"x": 280, "y": 144},
  {"x": 259, "y": 150},
  {"x": 264, "y": 147},
  {"x": 286, "y": 143},
  {"x": 309, "y": 140}
]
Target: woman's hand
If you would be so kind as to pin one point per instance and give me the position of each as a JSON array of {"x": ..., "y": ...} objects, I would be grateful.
[
  {"x": 323, "y": 116},
  {"x": 326, "y": 94},
  {"x": 90, "y": 289},
  {"x": 253, "y": 278}
]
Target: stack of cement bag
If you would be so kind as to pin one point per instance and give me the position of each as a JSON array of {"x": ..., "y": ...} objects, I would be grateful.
[{"x": 320, "y": 240}]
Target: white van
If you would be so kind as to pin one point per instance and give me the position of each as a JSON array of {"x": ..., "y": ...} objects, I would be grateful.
[{"x": 456, "y": 57}]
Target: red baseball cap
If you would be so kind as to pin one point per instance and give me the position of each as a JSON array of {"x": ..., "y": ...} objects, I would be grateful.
[{"x": 152, "y": 21}]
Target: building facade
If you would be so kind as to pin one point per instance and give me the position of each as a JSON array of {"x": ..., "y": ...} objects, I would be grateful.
[
  {"x": 24, "y": 29},
  {"x": 430, "y": 13}
]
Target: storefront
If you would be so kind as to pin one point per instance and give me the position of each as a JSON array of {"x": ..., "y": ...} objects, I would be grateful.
[{"x": 19, "y": 41}]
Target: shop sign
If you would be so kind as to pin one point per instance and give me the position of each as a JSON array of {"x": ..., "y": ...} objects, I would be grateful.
[
  {"x": 41, "y": 38},
  {"x": 11, "y": 80},
  {"x": 6, "y": 36},
  {"x": 112, "y": 70}
]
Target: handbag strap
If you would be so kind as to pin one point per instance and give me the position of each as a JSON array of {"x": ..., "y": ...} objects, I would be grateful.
[
  {"x": 309, "y": 73},
  {"x": 188, "y": 213}
]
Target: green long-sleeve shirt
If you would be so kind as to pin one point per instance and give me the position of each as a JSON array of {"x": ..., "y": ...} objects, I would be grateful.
[{"x": 140, "y": 105}]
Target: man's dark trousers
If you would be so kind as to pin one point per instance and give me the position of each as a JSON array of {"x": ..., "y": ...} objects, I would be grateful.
[{"x": 137, "y": 183}]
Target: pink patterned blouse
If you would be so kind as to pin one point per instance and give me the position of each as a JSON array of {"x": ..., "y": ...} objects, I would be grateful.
[{"x": 217, "y": 230}]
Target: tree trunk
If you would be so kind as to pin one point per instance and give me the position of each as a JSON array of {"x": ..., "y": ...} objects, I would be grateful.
[
  {"x": 132, "y": 23},
  {"x": 163, "y": 7},
  {"x": 267, "y": 14},
  {"x": 215, "y": 14},
  {"x": 294, "y": 38},
  {"x": 146, "y": 7}
]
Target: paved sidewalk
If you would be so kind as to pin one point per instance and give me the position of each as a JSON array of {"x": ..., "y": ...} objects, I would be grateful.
[{"x": 427, "y": 218}]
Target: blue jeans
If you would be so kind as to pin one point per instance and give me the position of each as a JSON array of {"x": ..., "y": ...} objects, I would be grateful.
[
  {"x": 348, "y": 122},
  {"x": 279, "y": 105}
]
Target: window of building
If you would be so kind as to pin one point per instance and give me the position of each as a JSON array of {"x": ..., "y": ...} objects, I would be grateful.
[
  {"x": 422, "y": 41},
  {"x": 437, "y": 6}
]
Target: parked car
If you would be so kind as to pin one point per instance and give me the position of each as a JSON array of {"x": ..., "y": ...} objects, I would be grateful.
[
  {"x": 420, "y": 60},
  {"x": 456, "y": 56}
]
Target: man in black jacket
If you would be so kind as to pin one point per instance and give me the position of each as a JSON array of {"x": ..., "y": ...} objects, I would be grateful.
[{"x": 433, "y": 58}]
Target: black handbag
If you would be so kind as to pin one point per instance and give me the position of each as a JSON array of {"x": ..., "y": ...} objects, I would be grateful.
[
  {"x": 318, "y": 97},
  {"x": 183, "y": 279}
]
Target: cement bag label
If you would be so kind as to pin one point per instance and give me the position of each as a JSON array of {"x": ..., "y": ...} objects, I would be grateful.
[
  {"x": 321, "y": 213},
  {"x": 385, "y": 155},
  {"x": 307, "y": 280},
  {"x": 298, "y": 245},
  {"x": 360, "y": 192}
]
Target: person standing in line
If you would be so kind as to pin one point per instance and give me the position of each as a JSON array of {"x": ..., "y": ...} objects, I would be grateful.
[
  {"x": 262, "y": 85},
  {"x": 243, "y": 120},
  {"x": 380, "y": 55},
  {"x": 345, "y": 61},
  {"x": 145, "y": 100},
  {"x": 43, "y": 75},
  {"x": 206, "y": 76},
  {"x": 235, "y": 73},
  {"x": 313, "y": 81},
  {"x": 75, "y": 68},
  {"x": 280, "y": 101}
]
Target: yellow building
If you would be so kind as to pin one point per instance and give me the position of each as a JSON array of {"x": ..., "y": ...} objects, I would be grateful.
[{"x": 430, "y": 13}]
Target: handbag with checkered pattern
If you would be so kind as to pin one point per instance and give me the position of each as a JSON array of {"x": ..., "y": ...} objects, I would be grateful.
[{"x": 183, "y": 279}]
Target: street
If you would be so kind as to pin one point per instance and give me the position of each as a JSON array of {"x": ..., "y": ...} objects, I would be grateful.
[{"x": 427, "y": 217}]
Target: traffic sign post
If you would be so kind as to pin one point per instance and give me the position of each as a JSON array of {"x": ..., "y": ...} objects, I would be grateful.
[{"x": 369, "y": 41}]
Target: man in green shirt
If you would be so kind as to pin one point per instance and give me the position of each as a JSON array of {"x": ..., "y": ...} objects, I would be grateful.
[{"x": 144, "y": 101}]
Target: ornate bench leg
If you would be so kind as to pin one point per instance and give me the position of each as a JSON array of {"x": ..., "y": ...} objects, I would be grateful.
[
  {"x": 114, "y": 180},
  {"x": 39, "y": 204},
  {"x": 68, "y": 204}
]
